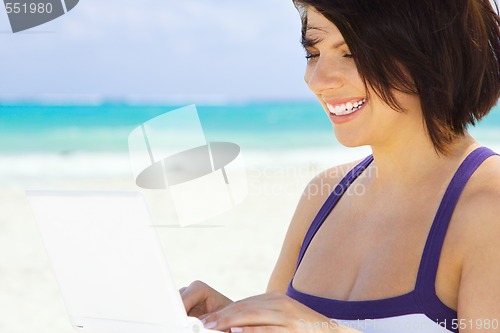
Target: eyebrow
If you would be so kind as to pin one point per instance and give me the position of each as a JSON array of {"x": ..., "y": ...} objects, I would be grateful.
[{"x": 308, "y": 41}]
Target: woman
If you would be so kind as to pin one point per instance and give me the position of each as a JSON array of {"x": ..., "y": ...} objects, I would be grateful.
[{"x": 417, "y": 250}]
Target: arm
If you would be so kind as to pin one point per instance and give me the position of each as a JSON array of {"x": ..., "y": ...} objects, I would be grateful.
[
  {"x": 479, "y": 292},
  {"x": 313, "y": 197},
  {"x": 274, "y": 311},
  {"x": 200, "y": 299}
]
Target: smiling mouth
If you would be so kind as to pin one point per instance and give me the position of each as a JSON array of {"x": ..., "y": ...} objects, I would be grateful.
[{"x": 346, "y": 108}]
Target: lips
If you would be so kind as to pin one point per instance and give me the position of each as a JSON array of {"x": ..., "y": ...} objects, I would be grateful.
[{"x": 345, "y": 108}]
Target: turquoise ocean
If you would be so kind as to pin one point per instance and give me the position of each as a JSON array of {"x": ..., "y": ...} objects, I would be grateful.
[
  {"x": 37, "y": 140},
  {"x": 34, "y": 128},
  {"x": 26, "y": 128}
]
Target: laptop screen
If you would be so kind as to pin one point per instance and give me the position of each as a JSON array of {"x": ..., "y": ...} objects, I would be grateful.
[{"x": 107, "y": 258}]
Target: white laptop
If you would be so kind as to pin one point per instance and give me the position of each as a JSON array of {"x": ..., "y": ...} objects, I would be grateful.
[{"x": 109, "y": 263}]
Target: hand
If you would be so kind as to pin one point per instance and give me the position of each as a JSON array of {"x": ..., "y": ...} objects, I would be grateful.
[
  {"x": 271, "y": 313},
  {"x": 200, "y": 299}
]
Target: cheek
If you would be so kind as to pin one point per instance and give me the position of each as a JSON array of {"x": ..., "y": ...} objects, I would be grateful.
[
  {"x": 355, "y": 79},
  {"x": 388, "y": 121},
  {"x": 411, "y": 103}
]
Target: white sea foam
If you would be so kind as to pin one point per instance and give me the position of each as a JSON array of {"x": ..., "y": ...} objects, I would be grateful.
[
  {"x": 112, "y": 166},
  {"x": 33, "y": 169}
]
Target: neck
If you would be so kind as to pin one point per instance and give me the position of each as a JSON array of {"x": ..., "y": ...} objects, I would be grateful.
[{"x": 412, "y": 161}]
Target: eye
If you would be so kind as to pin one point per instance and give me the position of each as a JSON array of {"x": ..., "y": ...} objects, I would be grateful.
[
  {"x": 310, "y": 56},
  {"x": 348, "y": 55}
]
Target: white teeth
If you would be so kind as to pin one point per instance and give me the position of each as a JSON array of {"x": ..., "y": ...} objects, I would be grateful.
[
  {"x": 331, "y": 108},
  {"x": 344, "y": 109}
]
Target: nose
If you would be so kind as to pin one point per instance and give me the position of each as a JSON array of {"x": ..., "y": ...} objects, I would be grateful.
[{"x": 323, "y": 74}]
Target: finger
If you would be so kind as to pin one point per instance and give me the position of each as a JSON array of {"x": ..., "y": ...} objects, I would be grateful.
[
  {"x": 194, "y": 295},
  {"x": 271, "y": 309},
  {"x": 273, "y": 295},
  {"x": 268, "y": 301},
  {"x": 259, "y": 329},
  {"x": 203, "y": 317},
  {"x": 182, "y": 290},
  {"x": 245, "y": 314},
  {"x": 272, "y": 300}
]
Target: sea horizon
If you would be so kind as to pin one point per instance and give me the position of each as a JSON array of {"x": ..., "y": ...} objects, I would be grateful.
[{"x": 34, "y": 127}]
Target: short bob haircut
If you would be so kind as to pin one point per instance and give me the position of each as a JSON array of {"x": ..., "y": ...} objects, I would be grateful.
[{"x": 446, "y": 51}]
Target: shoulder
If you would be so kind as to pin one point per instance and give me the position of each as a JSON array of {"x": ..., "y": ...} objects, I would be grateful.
[
  {"x": 480, "y": 200},
  {"x": 315, "y": 194},
  {"x": 478, "y": 216},
  {"x": 311, "y": 200},
  {"x": 323, "y": 184},
  {"x": 478, "y": 210}
]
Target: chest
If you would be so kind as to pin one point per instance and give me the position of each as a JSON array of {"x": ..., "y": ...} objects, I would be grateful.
[{"x": 372, "y": 249}]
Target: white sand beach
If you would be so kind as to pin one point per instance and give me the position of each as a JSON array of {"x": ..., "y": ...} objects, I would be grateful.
[{"x": 235, "y": 258}]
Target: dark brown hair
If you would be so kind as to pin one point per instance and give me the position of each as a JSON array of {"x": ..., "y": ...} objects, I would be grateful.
[{"x": 449, "y": 48}]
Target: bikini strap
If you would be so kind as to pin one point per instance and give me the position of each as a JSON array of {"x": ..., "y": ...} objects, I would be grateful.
[
  {"x": 427, "y": 272},
  {"x": 330, "y": 203}
]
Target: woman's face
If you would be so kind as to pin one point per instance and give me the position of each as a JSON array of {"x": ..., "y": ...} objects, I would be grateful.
[{"x": 332, "y": 76}]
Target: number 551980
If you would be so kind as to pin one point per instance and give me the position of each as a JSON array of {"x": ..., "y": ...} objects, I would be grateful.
[{"x": 32, "y": 8}]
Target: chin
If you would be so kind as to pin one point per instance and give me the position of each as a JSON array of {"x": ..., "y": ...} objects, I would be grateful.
[{"x": 350, "y": 139}]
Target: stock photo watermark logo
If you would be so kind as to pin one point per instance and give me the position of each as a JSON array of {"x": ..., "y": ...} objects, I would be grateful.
[
  {"x": 24, "y": 15},
  {"x": 204, "y": 179}
]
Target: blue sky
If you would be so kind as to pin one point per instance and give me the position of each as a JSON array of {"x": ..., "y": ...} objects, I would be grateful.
[{"x": 189, "y": 50}]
